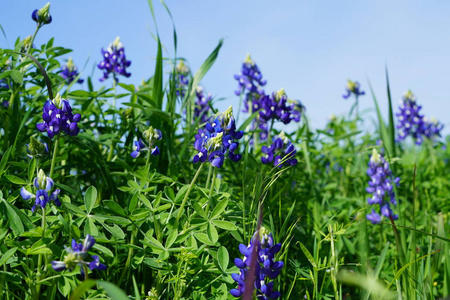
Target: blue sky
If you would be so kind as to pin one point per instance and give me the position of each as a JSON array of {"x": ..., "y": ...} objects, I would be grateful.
[{"x": 310, "y": 48}]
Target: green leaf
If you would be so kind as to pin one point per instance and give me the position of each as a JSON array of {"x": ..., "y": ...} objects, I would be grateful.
[
  {"x": 14, "y": 220},
  {"x": 402, "y": 269},
  {"x": 67, "y": 188},
  {"x": 31, "y": 169},
  {"x": 15, "y": 179},
  {"x": 203, "y": 238},
  {"x": 181, "y": 193},
  {"x": 308, "y": 255},
  {"x": 391, "y": 126},
  {"x": 90, "y": 198},
  {"x": 248, "y": 121},
  {"x": 171, "y": 238},
  {"x": 112, "y": 290},
  {"x": 158, "y": 78},
  {"x": 199, "y": 210},
  {"x": 103, "y": 249},
  {"x": 7, "y": 255},
  {"x": 225, "y": 225},
  {"x": 17, "y": 76},
  {"x": 4, "y": 160},
  {"x": 220, "y": 207},
  {"x": 81, "y": 289},
  {"x": 90, "y": 228},
  {"x": 223, "y": 258},
  {"x": 115, "y": 230},
  {"x": 73, "y": 208},
  {"x": 115, "y": 207},
  {"x": 212, "y": 233},
  {"x": 136, "y": 289}
]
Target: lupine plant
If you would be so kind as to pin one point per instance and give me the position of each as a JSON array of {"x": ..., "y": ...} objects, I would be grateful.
[
  {"x": 157, "y": 192},
  {"x": 412, "y": 123}
]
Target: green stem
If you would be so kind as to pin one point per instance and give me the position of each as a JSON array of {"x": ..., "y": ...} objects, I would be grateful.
[
  {"x": 212, "y": 184},
  {"x": 209, "y": 176},
  {"x": 86, "y": 272},
  {"x": 32, "y": 39},
  {"x": 128, "y": 261},
  {"x": 38, "y": 273},
  {"x": 113, "y": 144},
  {"x": 55, "y": 150},
  {"x": 191, "y": 186}
]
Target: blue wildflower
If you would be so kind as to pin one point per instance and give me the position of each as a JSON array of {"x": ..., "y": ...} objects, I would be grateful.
[
  {"x": 42, "y": 16},
  {"x": 114, "y": 61},
  {"x": 218, "y": 140},
  {"x": 77, "y": 255},
  {"x": 267, "y": 269},
  {"x": 277, "y": 107},
  {"x": 353, "y": 88},
  {"x": 432, "y": 128},
  {"x": 412, "y": 123},
  {"x": 202, "y": 103},
  {"x": 381, "y": 186},
  {"x": 58, "y": 117},
  {"x": 281, "y": 152},
  {"x": 151, "y": 136},
  {"x": 43, "y": 185},
  {"x": 250, "y": 84},
  {"x": 69, "y": 72},
  {"x": 182, "y": 80}
]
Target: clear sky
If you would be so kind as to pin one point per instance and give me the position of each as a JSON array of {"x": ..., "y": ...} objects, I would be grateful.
[{"x": 310, "y": 48}]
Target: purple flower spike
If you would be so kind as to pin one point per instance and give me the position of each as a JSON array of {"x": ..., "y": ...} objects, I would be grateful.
[
  {"x": 282, "y": 152},
  {"x": 353, "y": 88},
  {"x": 267, "y": 269},
  {"x": 151, "y": 136},
  {"x": 58, "y": 117},
  {"x": 250, "y": 84},
  {"x": 412, "y": 123},
  {"x": 77, "y": 256},
  {"x": 381, "y": 187},
  {"x": 43, "y": 186},
  {"x": 114, "y": 61},
  {"x": 69, "y": 72},
  {"x": 218, "y": 140}
]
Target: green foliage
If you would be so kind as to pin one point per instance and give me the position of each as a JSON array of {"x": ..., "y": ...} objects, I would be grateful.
[{"x": 169, "y": 229}]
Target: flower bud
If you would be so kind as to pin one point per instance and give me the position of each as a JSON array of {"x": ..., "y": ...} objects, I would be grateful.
[
  {"x": 36, "y": 148},
  {"x": 42, "y": 16}
]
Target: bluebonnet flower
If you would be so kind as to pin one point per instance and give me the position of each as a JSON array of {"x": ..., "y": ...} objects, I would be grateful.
[
  {"x": 42, "y": 16},
  {"x": 114, "y": 61},
  {"x": 432, "y": 128},
  {"x": 277, "y": 107},
  {"x": 69, "y": 72},
  {"x": 37, "y": 149},
  {"x": 281, "y": 152},
  {"x": 151, "y": 135},
  {"x": 267, "y": 269},
  {"x": 217, "y": 140},
  {"x": 58, "y": 117},
  {"x": 77, "y": 255},
  {"x": 411, "y": 122},
  {"x": 381, "y": 186},
  {"x": 182, "y": 80},
  {"x": 202, "y": 105},
  {"x": 353, "y": 88},
  {"x": 250, "y": 84},
  {"x": 43, "y": 185}
]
